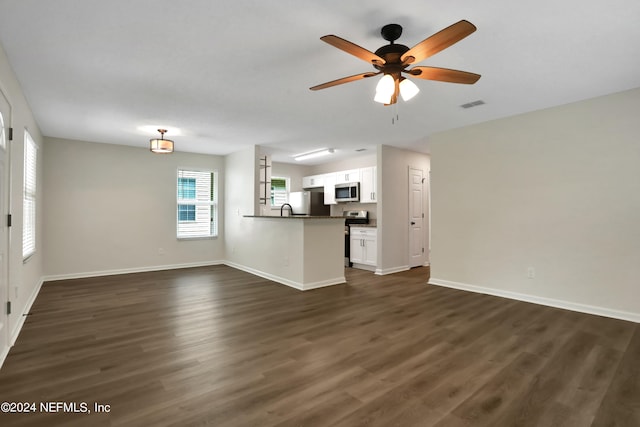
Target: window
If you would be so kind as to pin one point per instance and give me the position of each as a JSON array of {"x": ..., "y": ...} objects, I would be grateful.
[
  {"x": 197, "y": 195},
  {"x": 186, "y": 188},
  {"x": 186, "y": 213},
  {"x": 29, "y": 197},
  {"x": 279, "y": 191}
]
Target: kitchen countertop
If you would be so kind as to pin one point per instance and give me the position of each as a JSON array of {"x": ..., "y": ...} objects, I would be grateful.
[{"x": 370, "y": 225}]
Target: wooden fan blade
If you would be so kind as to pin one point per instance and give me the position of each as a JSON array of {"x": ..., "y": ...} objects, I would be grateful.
[
  {"x": 437, "y": 42},
  {"x": 444, "y": 75},
  {"x": 353, "y": 49},
  {"x": 343, "y": 80}
]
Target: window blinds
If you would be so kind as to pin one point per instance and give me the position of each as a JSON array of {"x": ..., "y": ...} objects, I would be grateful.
[
  {"x": 29, "y": 198},
  {"x": 197, "y": 207}
]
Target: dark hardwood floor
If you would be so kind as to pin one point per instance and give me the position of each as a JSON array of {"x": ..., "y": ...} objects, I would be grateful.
[{"x": 217, "y": 346}]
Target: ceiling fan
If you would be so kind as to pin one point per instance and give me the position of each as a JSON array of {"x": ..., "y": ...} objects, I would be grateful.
[{"x": 393, "y": 60}]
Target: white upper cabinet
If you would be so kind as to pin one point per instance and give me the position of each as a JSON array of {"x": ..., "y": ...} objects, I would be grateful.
[
  {"x": 313, "y": 181},
  {"x": 368, "y": 185},
  {"x": 329, "y": 189},
  {"x": 352, "y": 175},
  {"x": 365, "y": 176}
]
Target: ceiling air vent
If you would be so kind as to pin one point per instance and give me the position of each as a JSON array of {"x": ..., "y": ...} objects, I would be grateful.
[{"x": 473, "y": 104}]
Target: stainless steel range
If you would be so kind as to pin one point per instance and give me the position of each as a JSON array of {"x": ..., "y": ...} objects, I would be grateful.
[{"x": 352, "y": 218}]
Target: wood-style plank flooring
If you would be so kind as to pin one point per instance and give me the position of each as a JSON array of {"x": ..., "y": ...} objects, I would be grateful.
[{"x": 217, "y": 346}]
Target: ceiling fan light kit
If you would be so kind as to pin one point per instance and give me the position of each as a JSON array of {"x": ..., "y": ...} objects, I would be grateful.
[
  {"x": 385, "y": 89},
  {"x": 393, "y": 59},
  {"x": 408, "y": 89}
]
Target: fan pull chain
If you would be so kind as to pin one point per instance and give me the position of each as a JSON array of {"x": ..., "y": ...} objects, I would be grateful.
[{"x": 394, "y": 114}]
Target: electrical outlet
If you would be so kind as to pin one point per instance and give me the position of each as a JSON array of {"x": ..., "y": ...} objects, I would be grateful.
[
  {"x": 286, "y": 261},
  {"x": 531, "y": 273},
  {"x": 160, "y": 251}
]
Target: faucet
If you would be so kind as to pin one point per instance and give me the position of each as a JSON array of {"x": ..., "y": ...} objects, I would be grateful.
[{"x": 290, "y": 208}]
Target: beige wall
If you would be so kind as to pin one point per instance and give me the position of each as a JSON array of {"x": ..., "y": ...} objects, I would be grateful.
[
  {"x": 557, "y": 190},
  {"x": 287, "y": 170},
  {"x": 241, "y": 198},
  {"x": 112, "y": 208},
  {"x": 393, "y": 206},
  {"x": 294, "y": 172},
  {"x": 354, "y": 162}
]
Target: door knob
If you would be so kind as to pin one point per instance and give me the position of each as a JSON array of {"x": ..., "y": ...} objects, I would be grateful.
[{"x": 413, "y": 223}]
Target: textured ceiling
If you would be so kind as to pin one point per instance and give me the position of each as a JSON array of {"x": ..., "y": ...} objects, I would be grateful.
[{"x": 231, "y": 74}]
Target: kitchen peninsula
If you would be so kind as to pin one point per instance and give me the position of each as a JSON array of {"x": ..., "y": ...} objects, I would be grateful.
[{"x": 304, "y": 252}]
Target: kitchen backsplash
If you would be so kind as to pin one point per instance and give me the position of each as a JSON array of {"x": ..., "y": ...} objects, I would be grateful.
[{"x": 353, "y": 206}]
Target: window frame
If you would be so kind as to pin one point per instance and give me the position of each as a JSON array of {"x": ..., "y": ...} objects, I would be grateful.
[{"x": 214, "y": 211}]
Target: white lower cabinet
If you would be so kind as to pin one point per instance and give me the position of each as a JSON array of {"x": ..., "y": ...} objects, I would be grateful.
[{"x": 363, "y": 248}]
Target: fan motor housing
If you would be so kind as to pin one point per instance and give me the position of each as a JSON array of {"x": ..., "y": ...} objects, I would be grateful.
[{"x": 391, "y": 53}]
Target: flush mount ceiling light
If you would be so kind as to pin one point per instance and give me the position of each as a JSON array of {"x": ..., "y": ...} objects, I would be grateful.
[
  {"x": 394, "y": 59},
  {"x": 161, "y": 146},
  {"x": 313, "y": 154}
]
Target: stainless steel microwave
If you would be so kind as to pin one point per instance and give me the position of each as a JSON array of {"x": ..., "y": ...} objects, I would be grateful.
[{"x": 348, "y": 192}]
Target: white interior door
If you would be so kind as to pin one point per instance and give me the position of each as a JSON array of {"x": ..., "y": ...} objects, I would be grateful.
[
  {"x": 416, "y": 218},
  {"x": 5, "y": 123}
]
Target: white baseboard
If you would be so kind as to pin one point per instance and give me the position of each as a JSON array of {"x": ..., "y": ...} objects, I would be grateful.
[
  {"x": 324, "y": 283},
  {"x": 4, "y": 354},
  {"x": 129, "y": 270},
  {"x": 23, "y": 318},
  {"x": 566, "y": 305},
  {"x": 382, "y": 272},
  {"x": 284, "y": 281}
]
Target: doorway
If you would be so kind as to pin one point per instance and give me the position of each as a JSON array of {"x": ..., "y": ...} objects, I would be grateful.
[{"x": 417, "y": 254}]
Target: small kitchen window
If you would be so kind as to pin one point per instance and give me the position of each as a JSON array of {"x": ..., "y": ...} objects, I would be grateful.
[{"x": 279, "y": 191}]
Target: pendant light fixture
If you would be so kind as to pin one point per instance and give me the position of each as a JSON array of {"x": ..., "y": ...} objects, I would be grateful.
[{"x": 161, "y": 146}]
